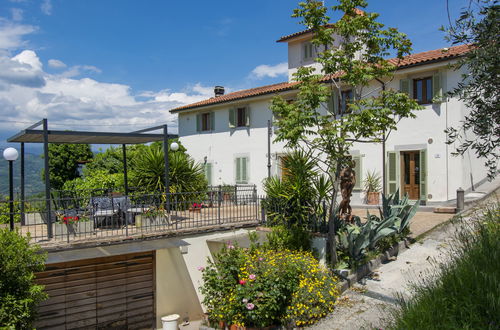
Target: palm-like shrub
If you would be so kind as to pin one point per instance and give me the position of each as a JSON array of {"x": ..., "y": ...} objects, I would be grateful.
[
  {"x": 297, "y": 197},
  {"x": 187, "y": 179}
]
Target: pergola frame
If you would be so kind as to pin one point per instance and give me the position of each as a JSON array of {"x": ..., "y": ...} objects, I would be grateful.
[{"x": 46, "y": 136}]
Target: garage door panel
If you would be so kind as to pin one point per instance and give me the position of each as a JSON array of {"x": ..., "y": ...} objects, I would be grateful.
[{"x": 104, "y": 293}]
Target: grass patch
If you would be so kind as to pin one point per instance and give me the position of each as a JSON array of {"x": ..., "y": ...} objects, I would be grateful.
[{"x": 464, "y": 291}]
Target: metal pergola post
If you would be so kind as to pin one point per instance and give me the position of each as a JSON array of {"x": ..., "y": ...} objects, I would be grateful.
[
  {"x": 269, "y": 133},
  {"x": 47, "y": 176},
  {"x": 23, "y": 194},
  {"x": 167, "y": 166},
  {"x": 125, "y": 174}
]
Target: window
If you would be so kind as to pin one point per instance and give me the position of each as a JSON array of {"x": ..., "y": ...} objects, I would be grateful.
[
  {"x": 241, "y": 170},
  {"x": 422, "y": 90},
  {"x": 239, "y": 117},
  {"x": 205, "y": 122},
  {"x": 307, "y": 51},
  {"x": 345, "y": 100}
]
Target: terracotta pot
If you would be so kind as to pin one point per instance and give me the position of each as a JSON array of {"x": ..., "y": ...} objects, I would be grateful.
[
  {"x": 195, "y": 209},
  {"x": 373, "y": 198}
]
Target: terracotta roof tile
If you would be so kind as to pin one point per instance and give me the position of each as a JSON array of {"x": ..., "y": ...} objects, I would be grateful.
[
  {"x": 408, "y": 61},
  {"x": 431, "y": 55}
]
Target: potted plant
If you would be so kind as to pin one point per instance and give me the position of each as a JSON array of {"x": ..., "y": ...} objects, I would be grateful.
[
  {"x": 196, "y": 207},
  {"x": 74, "y": 225},
  {"x": 153, "y": 216},
  {"x": 372, "y": 186}
]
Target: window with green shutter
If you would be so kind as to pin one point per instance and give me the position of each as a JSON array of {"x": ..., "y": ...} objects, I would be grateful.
[
  {"x": 205, "y": 122},
  {"x": 241, "y": 170},
  {"x": 405, "y": 86},
  {"x": 208, "y": 173}
]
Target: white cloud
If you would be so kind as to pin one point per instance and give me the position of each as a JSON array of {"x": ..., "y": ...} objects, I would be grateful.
[
  {"x": 56, "y": 64},
  {"x": 17, "y": 14},
  {"x": 46, "y": 7},
  {"x": 78, "y": 70},
  {"x": 271, "y": 71},
  {"x": 11, "y": 35},
  {"x": 71, "y": 103}
]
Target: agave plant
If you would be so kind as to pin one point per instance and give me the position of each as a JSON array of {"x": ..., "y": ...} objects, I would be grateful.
[{"x": 401, "y": 209}]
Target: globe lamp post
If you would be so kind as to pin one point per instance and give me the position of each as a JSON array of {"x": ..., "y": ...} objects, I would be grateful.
[{"x": 10, "y": 155}]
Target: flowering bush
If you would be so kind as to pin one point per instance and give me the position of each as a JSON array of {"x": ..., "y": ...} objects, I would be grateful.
[
  {"x": 68, "y": 220},
  {"x": 263, "y": 287}
]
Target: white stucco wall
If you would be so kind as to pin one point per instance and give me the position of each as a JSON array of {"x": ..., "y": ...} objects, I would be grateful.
[{"x": 446, "y": 173}]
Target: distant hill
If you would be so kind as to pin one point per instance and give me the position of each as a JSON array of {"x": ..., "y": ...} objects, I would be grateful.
[{"x": 33, "y": 168}]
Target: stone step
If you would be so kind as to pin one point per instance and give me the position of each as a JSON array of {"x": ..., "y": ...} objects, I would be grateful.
[{"x": 444, "y": 209}]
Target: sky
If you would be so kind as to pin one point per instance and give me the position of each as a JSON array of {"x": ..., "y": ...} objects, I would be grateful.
[{"x": 120, "y": 65}]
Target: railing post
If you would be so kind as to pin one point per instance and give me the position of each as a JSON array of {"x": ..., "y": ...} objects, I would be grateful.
[
  {"x": 460, "y": 199},
  {"x": 262, "y": 214},
  {"x": 254, "y": 199},
  {"x": 235, "y": 194},
  {"x": 219, "y": 197}
]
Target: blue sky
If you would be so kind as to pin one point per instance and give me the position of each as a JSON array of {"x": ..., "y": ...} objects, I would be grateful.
[{"x": 121, "y": 64}]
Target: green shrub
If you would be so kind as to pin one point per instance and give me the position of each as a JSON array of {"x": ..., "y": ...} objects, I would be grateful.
[
  {"x": 294, "y": 238},
  {"x": 5, "y": 211},
  {"x": 262, "y": 287},
  {"x": 19, "y": 295},
  {"x": 464, "y": 291}
]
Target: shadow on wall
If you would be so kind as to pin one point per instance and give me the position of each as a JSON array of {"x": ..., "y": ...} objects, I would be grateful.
[{"x": 175, "y": 291}]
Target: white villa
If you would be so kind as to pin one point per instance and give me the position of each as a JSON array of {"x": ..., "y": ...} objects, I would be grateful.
[{"x": 228, "y": 133}]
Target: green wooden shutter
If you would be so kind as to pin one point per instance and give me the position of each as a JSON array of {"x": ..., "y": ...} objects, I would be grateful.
[
  {"x": 423, "y": 175},
  {"x": 244, "y": 170},
  {"x": 437, "y": 88},
  {"x": 358, "y": 171},
  {"x": 335, "y": 101},
  {"x": 198, "y": 122},
  {"x": 405, "y": 86},
  {"x": 247, "y": 113},
  {"x": 212, "y": 121},
  {"x": 237, "y": 165},
  {"x": 392, "y": 172},
  {"x": 232, "y": 118},
  {"x": 208, "y": 173}
]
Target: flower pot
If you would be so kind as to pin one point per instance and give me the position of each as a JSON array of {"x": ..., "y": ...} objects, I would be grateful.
[
  {"x": 195, "y": 209},
  {"x": 76, "y": 229},
  {"x": 150, "y": 221},
  {"x": 373, "y": 198}
]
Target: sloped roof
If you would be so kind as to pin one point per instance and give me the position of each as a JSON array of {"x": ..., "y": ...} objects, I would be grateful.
[
  {"x": 328, "y": 26},
  {"x": 408, "y": 61}
]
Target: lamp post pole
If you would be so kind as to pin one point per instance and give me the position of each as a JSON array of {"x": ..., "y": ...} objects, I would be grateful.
[{"x": 10, "y": 155}]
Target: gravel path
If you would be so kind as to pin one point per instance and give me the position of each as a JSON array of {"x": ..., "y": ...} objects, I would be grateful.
[{"x": 365, "y": 305}]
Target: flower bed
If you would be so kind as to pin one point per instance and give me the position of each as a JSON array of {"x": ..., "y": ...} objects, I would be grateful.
[{"x": 262, "y": 287}]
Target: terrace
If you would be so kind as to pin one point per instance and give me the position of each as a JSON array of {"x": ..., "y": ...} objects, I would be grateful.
[{"x": 63, "y": 218}]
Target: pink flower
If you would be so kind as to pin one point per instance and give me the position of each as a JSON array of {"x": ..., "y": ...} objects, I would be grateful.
[
  {"x": 260, "y": 258},
  {"x": 201, "y": 268},
  {"x": 230, "y": 246},
  {"x": 250, "y": 306},
  {"x": 243, "y": 282},
  {"x": 252, "y": 276}
]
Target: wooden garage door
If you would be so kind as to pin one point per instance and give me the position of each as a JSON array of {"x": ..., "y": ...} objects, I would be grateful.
[{"x": 102, "y": 293}]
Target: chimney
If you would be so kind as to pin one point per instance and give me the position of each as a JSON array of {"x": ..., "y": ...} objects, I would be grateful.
[{"x": 218, "y": 91}]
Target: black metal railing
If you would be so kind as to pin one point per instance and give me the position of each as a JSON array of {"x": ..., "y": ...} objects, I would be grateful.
[{"x": 78, "y": 215}]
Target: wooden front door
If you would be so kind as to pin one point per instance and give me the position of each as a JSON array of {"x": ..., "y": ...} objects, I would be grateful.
[
  {"x": 410, "y": 169},
  {"x": 102, "y": 293}
]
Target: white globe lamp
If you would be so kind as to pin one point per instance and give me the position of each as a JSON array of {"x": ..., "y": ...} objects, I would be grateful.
[
  {"x": 174, "y": 146},
  {"x": 10, "y": 154}
]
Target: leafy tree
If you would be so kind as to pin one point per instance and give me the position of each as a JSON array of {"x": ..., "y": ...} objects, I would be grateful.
[
  {"x": 309, "y": 124},
  {"x": 479, "y": 89},
  {"x": 63, "y": 162},
  {"x": 19, "y": 295}
]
